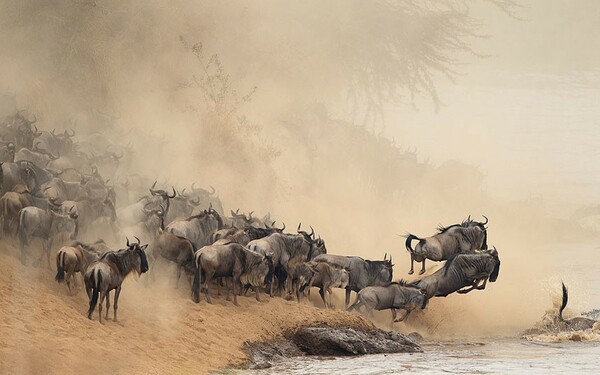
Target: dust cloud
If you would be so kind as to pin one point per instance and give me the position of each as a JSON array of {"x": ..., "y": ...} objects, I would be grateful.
[{"x": 292, "y": 109}]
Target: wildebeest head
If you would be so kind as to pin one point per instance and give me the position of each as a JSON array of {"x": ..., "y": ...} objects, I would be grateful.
[
  {"x": 482, "y": 225},
  {"x": 259, "y": 273},
  {"x": 381, "y": 271},
  {"x": 138, "y": 255},
  {"x": 496, "y": 258},
  {"x": 67, "y": 224}
]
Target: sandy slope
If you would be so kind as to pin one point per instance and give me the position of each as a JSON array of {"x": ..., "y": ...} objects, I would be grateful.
[{"x": 160, "y": 330}]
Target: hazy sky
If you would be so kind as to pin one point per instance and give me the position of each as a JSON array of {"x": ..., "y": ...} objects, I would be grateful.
[{"x": 527, "y": 116}]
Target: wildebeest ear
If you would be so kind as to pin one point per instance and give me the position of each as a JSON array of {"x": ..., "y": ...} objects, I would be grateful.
[
  {"x": 423, "y": 291},
  {"x": 143, "y": 247}
]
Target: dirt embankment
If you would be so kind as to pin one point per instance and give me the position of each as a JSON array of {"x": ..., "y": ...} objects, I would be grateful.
[{"x": 160, "y": 330}]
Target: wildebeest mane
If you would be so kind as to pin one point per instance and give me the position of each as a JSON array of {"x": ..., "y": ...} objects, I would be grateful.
[
  {"x": 88, "y": 247},
  {"x": 442, "y": 229}
]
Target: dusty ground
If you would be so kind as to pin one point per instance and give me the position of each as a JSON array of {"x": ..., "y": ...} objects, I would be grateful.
[{"x": 160, "y": 330}]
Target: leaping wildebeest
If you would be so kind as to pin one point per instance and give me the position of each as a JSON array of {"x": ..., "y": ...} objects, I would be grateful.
[
  {"x": 466, "y": 237},
  {"x": 393, "y": 296},
  {"x": 109, "y": 272},
  {"x": 470, "y": 271},
  {"x": 363, "y": 273}
]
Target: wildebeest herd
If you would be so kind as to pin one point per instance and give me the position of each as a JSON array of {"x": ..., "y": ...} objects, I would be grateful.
[{"x": 56, "y": 189}]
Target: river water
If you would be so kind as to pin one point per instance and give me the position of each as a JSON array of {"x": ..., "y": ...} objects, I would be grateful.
[{"x": 483, "y": 357}]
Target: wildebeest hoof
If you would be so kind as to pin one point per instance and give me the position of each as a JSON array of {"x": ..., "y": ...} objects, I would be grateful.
[
  {"x": 421, "y": 272},
  {"x": 411, "y": 272}
]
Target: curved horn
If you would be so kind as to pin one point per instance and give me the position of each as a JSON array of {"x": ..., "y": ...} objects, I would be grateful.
[
  {"x": 283, "y": 227},
  {"x": 486, "y": 220},
  {"x": 213, "y": 190},
  {"x": 193, "y": 186},
  {"x": 385, "y": 256},
  {"x": 127, "y": 241},
  {"x": 138, "y": 240},
  {"x": 52, "y": 132},
  {"x": 174, "y": 193},
  {"x": 312, "y": 232},
  {"x": 72, "y": 133}
]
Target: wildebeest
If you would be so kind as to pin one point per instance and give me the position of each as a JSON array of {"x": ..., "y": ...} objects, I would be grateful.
[
  {"x": 12, "y": 174},
  {"x": 76, "y": 258},
  {"x": 321, "y": 275},
  {"x": 458, "y": 238},
  {"x": 39, "y": 157},
  {"x": 176, "y": 249},
  {"x": 245, "y": 235},
  {"x": 363, "y": 273},
  {"x": 13, "y": 201},
  {"x": 109, "y": 272},
  {"x": 134, "y": 213},
  {"x": 197, "y": 229},
  {"x": 287, "y": 250},
  {"x": 56, "y": 144},
  {"x": 460, "y": 271},
  {"x": 230, "y": 259},
  {"x": 574, "y": 324},
  {"x": 7, "y": 152},
  {"x": 35, "y": 222},
  {"x": 393, "y": 296}
]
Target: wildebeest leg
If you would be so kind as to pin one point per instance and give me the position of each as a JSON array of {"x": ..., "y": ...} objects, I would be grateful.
[
  {"x": 48, "y": 252},
  {"x": 107, "y": 305},
  {"x": 117, "y": 292},
  {"x": 412, "y": 265},
  {"x": 322, "y": 294},
  {"x": 178, "y": 276},
  {"x": 422, "y": 271},
  {"x": 347, "y": 297},
  {"x": 257, "y": 290},
  {"x": 236, "y": 282},
  {"x": 403, "y": 317},
  {"x": 207, "y": 281},
  {"x": 394, "y": 315},
  {"x": 227, "y": 297},
  {"x": 219, "y": 288},
  {"x": 101, "y": 299}
]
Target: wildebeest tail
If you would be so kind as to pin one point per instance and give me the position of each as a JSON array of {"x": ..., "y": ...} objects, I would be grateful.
[
  {"x": 565, "y": 299},
  {"x": 409, "y": 240},
  {"x": 60, "y": 267},
  {"x": 96, "y": 281},
  {"x": 196, "y": 284}
]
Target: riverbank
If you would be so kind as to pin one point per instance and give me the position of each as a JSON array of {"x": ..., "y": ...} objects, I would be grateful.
[{"x": 160, "y": 330}]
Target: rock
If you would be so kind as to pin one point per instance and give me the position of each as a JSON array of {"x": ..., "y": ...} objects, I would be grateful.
[
  {"x": 262, "y": 354},
  {"x": 415, "y": 337},
  {"x": 350, "y": 341}
]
